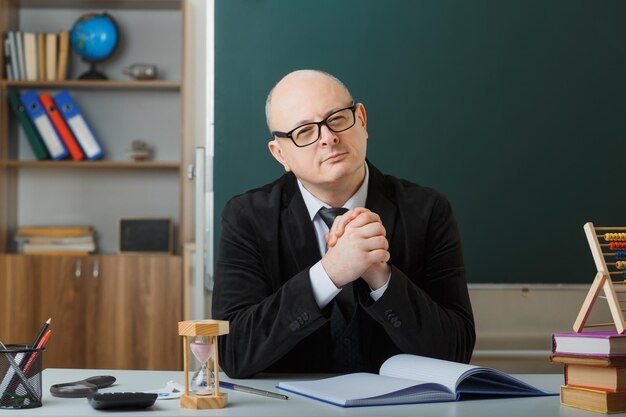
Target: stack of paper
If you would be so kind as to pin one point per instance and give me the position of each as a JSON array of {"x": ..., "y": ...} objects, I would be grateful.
[{"x": 50, "y": 240}]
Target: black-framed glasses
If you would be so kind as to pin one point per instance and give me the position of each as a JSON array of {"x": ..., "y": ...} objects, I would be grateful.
[{"x": 309, "y": 133}]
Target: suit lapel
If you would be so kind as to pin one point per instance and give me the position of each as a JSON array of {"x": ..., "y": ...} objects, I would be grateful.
[
  {"x": 297, "y": 230},
  {"x": 378, "y": 202}
]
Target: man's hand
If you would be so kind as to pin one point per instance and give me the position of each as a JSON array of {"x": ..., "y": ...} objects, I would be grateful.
[{"x": 357, "y": 247}]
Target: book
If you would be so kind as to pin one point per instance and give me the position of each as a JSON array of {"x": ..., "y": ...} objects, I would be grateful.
[
  {"x": 51, "y": 240},
  {"x": 8, "y": 65},
  {"x": 51, "y": 56},
  {"x": 77, "y": 123},
  {"x": 59, "y": 248},
  {"x": 32, "y": 134},
  {"x": 42, "y": 122},
  {"x": 408, "y": 379},
  {"x": 54, "y": 231},
  {"x": 608, "y": 378},
  {"x": 61, "y": 127},
  {"x": 589, "y": 360},
  {"x": 15, "y": 62},
  {"x": 64, "y": 46},
  {"x": 609, "y": 343},
  {"x": 20, "y": 54},
  {"x": 41, "y": 56},
  {"x": 593, "y": 399},
  {"x": 30, "y": 55}
]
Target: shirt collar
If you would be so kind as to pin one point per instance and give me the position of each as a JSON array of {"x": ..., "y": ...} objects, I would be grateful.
[{"x": 313, "y": 204}]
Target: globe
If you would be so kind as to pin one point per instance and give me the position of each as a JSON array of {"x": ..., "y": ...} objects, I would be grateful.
[{"x": 94, "y": 37}]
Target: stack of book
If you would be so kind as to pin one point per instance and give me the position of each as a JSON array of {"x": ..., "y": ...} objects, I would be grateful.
[
  {"x": 594, "y": 369},
  {"x": 50, "y": 240},
  {"x": 32, "y": 56}
]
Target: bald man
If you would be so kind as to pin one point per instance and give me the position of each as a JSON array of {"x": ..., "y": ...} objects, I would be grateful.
[{"x": 335, "y": 267}]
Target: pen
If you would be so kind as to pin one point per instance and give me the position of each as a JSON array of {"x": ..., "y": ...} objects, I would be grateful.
[{"x": 250, "y": 390}]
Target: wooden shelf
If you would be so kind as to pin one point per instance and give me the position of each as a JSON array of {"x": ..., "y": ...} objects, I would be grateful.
[
  {"x": 103, "y": 4},
  {"x": 105, "y": 85},
  {"x": 91, "y": 164}
]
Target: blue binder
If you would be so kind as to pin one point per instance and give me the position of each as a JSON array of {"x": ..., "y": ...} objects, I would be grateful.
[
  {"x": 37, "y": 114},
  {"x": 77, "y": 123}
]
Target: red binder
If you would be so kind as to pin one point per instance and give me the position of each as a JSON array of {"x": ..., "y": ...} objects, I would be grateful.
[{"x": 61, "y": 127}]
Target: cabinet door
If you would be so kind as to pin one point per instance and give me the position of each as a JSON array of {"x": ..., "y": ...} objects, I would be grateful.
[
  {"x": 134, "y": 306},
  {"x": 35, "y": 288},
  {"x": 60, "y": 296},
  {"x": 18, "y": 293}
]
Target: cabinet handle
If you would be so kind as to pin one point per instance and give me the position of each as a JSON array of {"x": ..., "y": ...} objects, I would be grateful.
[
  {"x": 77, "y": 269},
  {"x": 95, "y": 271}
]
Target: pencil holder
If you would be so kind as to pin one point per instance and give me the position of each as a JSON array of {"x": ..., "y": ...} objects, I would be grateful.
[{"x": 20, "y": 377}]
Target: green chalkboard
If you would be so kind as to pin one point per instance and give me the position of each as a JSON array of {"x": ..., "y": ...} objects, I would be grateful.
[{"x": 514, "y": 109}]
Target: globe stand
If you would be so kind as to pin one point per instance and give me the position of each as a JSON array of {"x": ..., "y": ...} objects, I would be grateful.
[{"x": 92, "y": 74}]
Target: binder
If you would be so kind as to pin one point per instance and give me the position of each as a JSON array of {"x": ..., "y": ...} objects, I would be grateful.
[
  {"x": 38, "y": 116},
  {"x": 61, "y": 127},
  {"x": 81, "y": 130},
  {"x": 35, "y": 141}
]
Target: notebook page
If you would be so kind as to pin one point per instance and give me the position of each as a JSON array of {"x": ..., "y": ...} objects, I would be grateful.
[
  {"x": 344, "y": 388},
  {"x": 425, "y": 369}
]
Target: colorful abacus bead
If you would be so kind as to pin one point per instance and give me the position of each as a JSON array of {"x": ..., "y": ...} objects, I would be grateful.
[
  {"x": 620, "y": 264},
  {"x": 608, "y": 237},
  {"x": 620, "y": 255},
  {"x": 617, "y": 246}
]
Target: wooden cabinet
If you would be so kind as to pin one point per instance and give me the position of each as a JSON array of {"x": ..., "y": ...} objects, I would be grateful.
[
  {"x": 133, "y": 310},
  {"x": 108, "y": 312}
]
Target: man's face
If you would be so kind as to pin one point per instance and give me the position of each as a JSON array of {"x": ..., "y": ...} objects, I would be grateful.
[{"x": 335, "y": 157}]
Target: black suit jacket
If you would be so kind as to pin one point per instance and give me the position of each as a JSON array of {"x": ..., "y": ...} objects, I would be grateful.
[{"x": 262, "y": 284}]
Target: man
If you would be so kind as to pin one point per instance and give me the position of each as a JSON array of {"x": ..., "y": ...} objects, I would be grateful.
[{"x": 387, "y": 278}]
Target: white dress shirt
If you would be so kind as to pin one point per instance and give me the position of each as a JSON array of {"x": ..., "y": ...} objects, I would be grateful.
[{"x": 324, "y": 290}]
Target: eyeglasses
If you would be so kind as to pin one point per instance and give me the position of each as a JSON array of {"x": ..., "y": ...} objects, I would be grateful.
[{"x": 309, "y": 133}]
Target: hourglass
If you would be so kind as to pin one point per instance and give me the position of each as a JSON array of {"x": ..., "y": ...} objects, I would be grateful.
[
  {"x": 202, "y": 379},
  {"x": 200, "y": 336}
]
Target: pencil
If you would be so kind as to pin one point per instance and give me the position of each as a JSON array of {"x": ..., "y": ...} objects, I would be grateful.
[{"x": 41, "y": 333}]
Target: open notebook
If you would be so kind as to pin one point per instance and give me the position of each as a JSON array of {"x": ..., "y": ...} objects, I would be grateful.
[{"x": 407, "y": 379}]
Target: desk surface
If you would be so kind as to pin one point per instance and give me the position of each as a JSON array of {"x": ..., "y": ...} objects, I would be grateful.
[{"x": 241, "y": 404}]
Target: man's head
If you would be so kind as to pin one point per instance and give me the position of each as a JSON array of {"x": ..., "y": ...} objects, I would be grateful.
[{"x": 333, "y": 162}]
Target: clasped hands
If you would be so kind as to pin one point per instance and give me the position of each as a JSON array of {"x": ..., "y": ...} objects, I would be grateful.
[{"x": 357, "y": 247}]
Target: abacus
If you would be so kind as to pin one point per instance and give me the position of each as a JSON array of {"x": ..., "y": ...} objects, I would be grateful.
[{"x": 608, "y": 247}]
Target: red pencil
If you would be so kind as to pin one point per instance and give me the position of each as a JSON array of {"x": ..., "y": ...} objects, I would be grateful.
[{"x": 34, "y": 355}]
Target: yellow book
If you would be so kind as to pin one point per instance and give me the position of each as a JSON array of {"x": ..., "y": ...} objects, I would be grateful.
[
  {"x": 603, "y": 377},
  {"x": 54, "y": 231},
  {"x": 51, "y": 56},
  {"x": 593, "y": 400},
  {"x": 41, "y": 56},
  {"x": 64, "y": 45}
]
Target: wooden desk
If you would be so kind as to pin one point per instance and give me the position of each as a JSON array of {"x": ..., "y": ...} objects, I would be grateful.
[{"x": 241, "y": 404}]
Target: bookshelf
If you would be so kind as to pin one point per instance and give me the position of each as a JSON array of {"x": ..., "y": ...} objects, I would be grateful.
[{"x": 98, "y": 193}]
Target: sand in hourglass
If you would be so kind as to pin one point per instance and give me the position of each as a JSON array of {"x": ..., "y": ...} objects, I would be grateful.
[{"x": 203, "y": 352}]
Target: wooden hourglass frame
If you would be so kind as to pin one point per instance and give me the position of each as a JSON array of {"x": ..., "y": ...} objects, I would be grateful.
[
  {"x": 211, "y": 329},
  {"x": 607, "y": 265}
]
